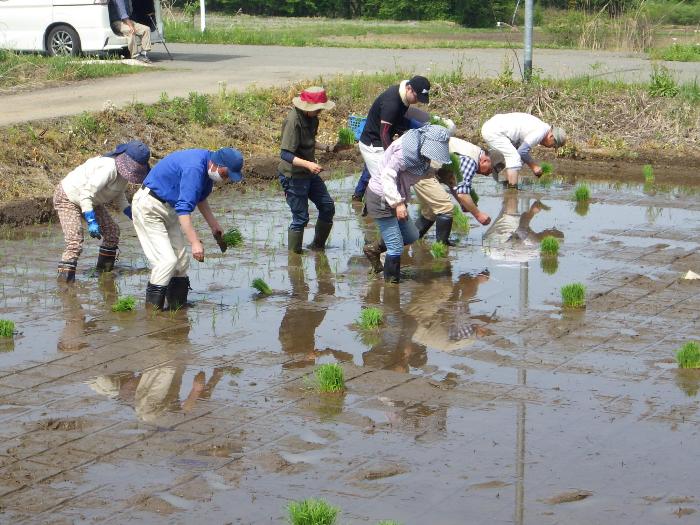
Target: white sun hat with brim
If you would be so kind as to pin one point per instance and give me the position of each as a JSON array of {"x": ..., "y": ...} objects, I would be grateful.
[{"x": 312, "y": 99}]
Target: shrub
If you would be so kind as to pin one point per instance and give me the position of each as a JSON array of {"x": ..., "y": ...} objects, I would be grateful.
[
  {"x": 330, "y": 378},
  {"x": 370, "y": 318},
  {"x": 261, "y": 286},
  {"x": 582, "y": 193},
  {"x": 688, "y": 356},
  {"x": 7, "y": 328},
  {"x": 549, "y": 246},
  {"x": 124, "y": 304},
  {"x": 573, "y": 295},
  {"x": 438, "y": 250}
]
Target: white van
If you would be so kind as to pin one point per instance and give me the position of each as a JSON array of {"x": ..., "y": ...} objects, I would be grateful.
[{"x": 69, "y": 27}]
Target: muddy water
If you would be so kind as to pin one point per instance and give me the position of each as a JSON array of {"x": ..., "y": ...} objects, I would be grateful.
[{"x": 479, "y": 393}]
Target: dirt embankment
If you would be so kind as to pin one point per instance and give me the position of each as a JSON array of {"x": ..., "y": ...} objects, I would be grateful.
[{"x": 624, "y": 124}]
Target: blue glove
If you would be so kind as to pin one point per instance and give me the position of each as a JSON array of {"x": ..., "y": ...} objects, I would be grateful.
[
  {"x": 93, "y": 227},
  {"x": 415, "y": 124},
  {"x": 127, "y": 212}
]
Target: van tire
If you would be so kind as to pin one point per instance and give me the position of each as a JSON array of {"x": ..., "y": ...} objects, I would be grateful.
[{"x": 63, "y": 40}]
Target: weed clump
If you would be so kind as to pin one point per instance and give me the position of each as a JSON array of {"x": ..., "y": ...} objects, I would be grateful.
[
  {"x": 547, "y": 169},
  {"x": 573, "y": 295},
  {"x": 312, "y": 512},
  {"x": 233, "y": 237},
  {"x": 648, "y": 172},
  {"x": 261, "y": 286},
  {"x": 460, "y": 222},
  {"x": 582, "y": 193},
  {"x": 438, "y": 250},
  {"x": 688, "y": 356},
  {"x": 330, "y": 378},
  {"x": 370, "y": 318},
  {"x": 346, "y": 137},
  {"x": 662, "y": 83},
  {"x": 124, "y": 304},
  {"x": 549, "y": 246},
  {"x": 7, "y": 328}
]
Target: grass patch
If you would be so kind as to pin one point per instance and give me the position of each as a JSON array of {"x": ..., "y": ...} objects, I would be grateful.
[
  {"x": 370, "y": 318},
  {"x": 312, "y": 512},
  {"x": 7, "y": 328},
  {"x": 573, "y": 295},
  {"x": 678, "y": 53},
  {"x": 438, "y": 250},
  {"x": 261, "y": 286},
  {"x": 688, "y": 356},
  {"x": 460, "y": 221},
  {"x": 24, "y": 71},
  {"x": 662, "y": 83},
  {"x": 549, "y": 246},
  {"x": 648, "y": 172},
  {"x": 547, "y": 169},
  {"x": 233, "y": 237},
  {"x": 346, "y": 137},
  {"x": 330, "y": 378},
  {"x": 124, "y": 304},
  {"x": 582, "y": 193}
]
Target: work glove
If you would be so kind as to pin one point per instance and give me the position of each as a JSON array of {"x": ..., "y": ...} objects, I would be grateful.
[
  {"x": 127, "y": 212},
  {"x": 415, "y": 124},
  {"x": 93, "y": 226}
]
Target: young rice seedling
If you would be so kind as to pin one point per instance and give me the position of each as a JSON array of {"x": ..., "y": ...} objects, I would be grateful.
[
  {"x": 370, "y": 318},
  {"x": 124, "y": 304},
  {"x": 573, "y": 295},
  {"x": 549, "y": 246},
  {"x": 688, "y": 356},
  {"x": 438, "y": 250},
  {"x": 330, "y": 378},
  {"x": 7, "y": 328},
  {"x": 346, "y": 137},
  {"x": 582, "y": 193},
  {"x": 312, "y": 512}
]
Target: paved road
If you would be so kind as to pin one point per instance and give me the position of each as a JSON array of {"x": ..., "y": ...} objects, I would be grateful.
[{"x": 201, "y": 67}]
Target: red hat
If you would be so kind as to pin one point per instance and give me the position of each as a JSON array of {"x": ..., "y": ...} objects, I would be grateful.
[{"x": 313, "y": 98}]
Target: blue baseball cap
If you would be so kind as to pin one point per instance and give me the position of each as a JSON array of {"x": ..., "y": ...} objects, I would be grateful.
[
  {"x": 136, "y": 149},
  {"x": 232, "y": 159}
]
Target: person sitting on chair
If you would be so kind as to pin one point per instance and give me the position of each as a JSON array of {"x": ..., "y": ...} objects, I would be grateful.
[{"x": 138, "y": 35}]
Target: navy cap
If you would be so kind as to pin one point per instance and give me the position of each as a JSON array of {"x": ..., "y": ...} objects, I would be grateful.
[
  {"x": 232, "y": 159},
  {"x": 421, "y": 86},
  {"x": 136, "y": 149}
]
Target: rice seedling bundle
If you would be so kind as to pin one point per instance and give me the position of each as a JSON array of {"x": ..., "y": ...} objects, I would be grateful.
[
  {"x": 330, "y": 378},
  {"x": 124, "y": 304},
  {"x": 582, "y": 193},
  {"x": 460, "y": 220},
  {"x": 573, "y": 295},
  {"x": 648, "y": 172},
  {"x": 346, "y": 137},
  {"x": 549, "y": 246},
  {"x": 261, "y": 286},
  {"x": 312, "y": 512},
  {"x": 370, "y": 318},
  {"x": 438, "y": 250},
  {"x": 233, "y": 237},
  {"x": 7, "y": 328},
  {"x": 547, "y": 169},
  {"x": 688, "y": 356}
]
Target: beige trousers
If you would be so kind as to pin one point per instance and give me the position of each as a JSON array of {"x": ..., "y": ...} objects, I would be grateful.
[
  {"x": 161, "y": 238},
  {"x": 142, "y": 35},
  {"x": 433, "y": 198}
]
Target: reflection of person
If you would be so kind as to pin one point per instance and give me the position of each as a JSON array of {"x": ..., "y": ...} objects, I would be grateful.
[
  {"x": 299, "y": 172},
  {"x": 86, "y": 190},
  {"x": 162, "y": 212},
  {"x": 510, "y": 235},
  {"x": 156, "y": 390},
  {"x": 385, "y": 119},
  {"x": 515, "y": 134},
  {"x": 138, "y": 35},
  {"x": 405, "y": 162},
  {"x": 436, "y": 205}
]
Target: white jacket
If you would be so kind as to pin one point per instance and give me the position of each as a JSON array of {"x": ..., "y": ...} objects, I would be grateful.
[{"x": 95, "y": 182}]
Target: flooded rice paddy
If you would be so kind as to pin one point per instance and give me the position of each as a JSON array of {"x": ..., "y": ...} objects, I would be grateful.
[{"x": 480, "y": 400}]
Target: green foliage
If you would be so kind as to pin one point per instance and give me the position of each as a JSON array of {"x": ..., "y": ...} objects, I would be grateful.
[
  {"x": 454, "y": 165},
  {"x": 370, "y": 318},
  {"x": 582, "y": 193},
  {"x": 124, "y": 304},
  {"x": 233, "y": 237},
  {"x": 573, "y": 295},
  {"x": 547, "y": 169},
  {"x": 87, "y": 125},
  {"x": 438, "y": 250},
  {"x": 678, "y": 53},
  {"x": 688, "y": 356},
  {"x": 549, "y": 246},
  {"x": 261, "y": 286},
  {"x": 662, "y": 83},
  {"x": 676, "y": 12},
  {"x": 648, "y": 172},
  {"x": 330, "y": 378},
  {"x": 346, "y": 137},
  {"x": 460, "y": 220},
  {"x": 7, "y": 328},
  {"x": 200, "y": 109},
  {"x": 312, "y": 512}
]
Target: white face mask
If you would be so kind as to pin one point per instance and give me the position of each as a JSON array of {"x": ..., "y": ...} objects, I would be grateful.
[{"x": 214, "y": 175}]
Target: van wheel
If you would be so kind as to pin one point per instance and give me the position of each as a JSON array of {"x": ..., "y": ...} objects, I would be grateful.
[{"x": 63, "y": 40}]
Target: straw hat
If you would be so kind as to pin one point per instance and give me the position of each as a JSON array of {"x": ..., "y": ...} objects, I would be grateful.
[{"x": 312, "y": 99}]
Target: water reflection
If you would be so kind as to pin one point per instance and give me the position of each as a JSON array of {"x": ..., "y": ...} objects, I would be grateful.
[{"x": 688, "y": 380}]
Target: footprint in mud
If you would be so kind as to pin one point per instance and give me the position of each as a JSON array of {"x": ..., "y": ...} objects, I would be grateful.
[
  {"x": 61, "y": 424},
  {"x": 496, "y": 484},
  {"x": 568, "y": 497},
  {"x": 380, "y": 472}
]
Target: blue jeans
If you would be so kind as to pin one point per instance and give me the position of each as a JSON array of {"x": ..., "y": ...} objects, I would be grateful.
[
  {"x": 397, "y": 234},
  {"x": 299, "y": 191},
  {"x": 363, "y": 182}
]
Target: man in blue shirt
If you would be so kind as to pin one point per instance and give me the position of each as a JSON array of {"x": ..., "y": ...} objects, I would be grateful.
[{"x": 162, "y": 211}]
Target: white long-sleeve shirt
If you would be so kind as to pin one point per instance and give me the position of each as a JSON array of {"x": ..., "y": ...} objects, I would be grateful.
[
  {"x": 524, "y": 131},
  {"x": 95, "y": 182},
  {"x": 393, "y": 182}
]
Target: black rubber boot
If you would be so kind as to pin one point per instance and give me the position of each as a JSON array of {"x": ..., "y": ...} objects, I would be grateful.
[
  {"x": 321, "y": 233},
  {"x": 423, "y": 225},
  {"x": 177, "y": 292},
  {"x": 443, "y": 229},
  {"x": 66, "y": 271},
  {"x": 392, "y": 268},
  {"x": 106, "y": 258},
  {"x": 294, "y": 240},
  {"x": 373, "y": 252},
  {"x": 155, "y": 296}
]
